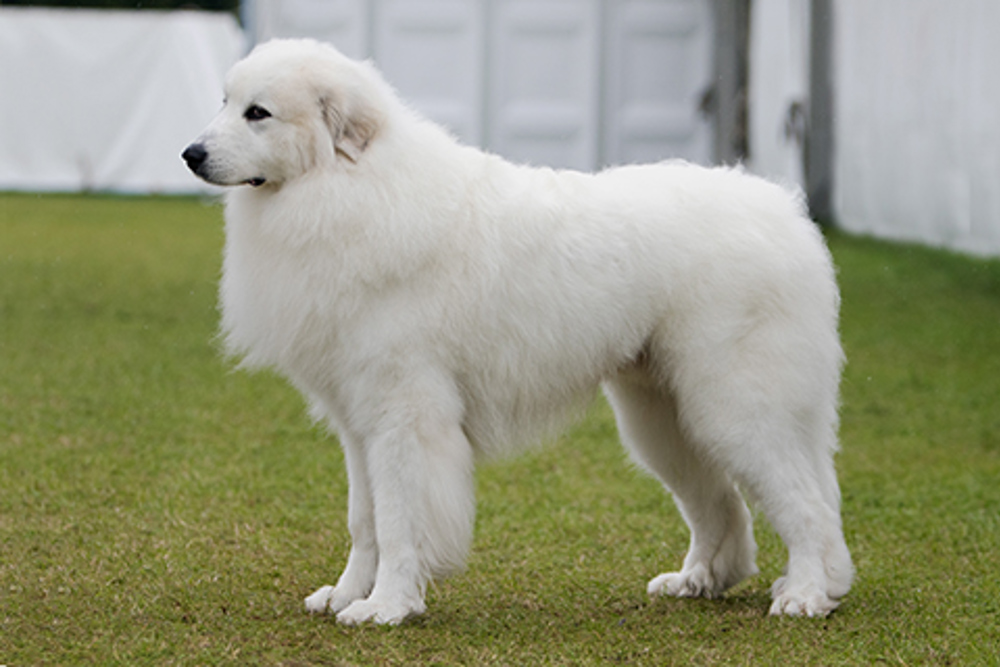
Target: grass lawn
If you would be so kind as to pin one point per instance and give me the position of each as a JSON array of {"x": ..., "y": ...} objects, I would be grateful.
[{"x": 159, "y": 508}]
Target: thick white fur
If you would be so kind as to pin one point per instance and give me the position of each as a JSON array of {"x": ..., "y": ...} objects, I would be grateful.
[{"x": 438, "y": 305}]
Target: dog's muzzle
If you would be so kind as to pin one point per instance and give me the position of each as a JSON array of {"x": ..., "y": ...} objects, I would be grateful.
[{"x": 196, "y": 155}]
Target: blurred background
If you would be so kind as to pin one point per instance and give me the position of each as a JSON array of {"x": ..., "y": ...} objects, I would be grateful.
[{"x": 887, "y": 114}]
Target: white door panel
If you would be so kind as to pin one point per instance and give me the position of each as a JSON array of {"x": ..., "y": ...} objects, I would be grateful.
[
  {"x": 343, "y": 23},
  {"x": 657, "y": 67},
  {"x": 431, "y": 50},
  {"x": 543, "y": 89},
  {"x": 563, "y": 83}
]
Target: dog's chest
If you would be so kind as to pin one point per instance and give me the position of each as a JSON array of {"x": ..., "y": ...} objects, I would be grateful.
[{"x": 280, "y": 305}]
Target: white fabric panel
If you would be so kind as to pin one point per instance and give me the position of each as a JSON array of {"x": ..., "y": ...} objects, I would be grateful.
[
  {"x": 779, "y": 78},
  {"x": 918, "y": 120},
  {"x": 107, "y": 100}
]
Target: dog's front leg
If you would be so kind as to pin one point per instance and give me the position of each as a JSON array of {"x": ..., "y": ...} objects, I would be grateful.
[
  {"x": 421, "y": 481},
  {"x": 358, "y": 577},
  {"x": 396, "y": 475}
]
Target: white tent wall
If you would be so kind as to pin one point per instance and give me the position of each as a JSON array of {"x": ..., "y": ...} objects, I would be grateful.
[
  {"x": 107, "y": 100},
  {"x": 917, "y": 109}
]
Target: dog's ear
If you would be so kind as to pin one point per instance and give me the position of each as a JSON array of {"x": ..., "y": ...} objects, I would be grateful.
[{"x": 352, "y": 125}]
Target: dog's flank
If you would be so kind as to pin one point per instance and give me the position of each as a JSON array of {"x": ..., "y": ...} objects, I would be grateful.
[{"x": 438, "y": 305}]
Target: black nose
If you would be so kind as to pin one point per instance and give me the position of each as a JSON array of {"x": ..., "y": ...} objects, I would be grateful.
[{"x": 194, "y": 155}]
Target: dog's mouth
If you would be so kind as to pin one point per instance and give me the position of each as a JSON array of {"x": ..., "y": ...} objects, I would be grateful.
[{"x": 256, "y": 182}]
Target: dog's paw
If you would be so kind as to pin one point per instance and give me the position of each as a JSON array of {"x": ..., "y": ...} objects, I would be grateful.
[
  {"x": 800, "y": 601},
  {"x": 690, "y": 583},
  {"x": 319, "y": 602},
  {"x": 380, "y": 612},
  {"x": 332, "y": 599}
]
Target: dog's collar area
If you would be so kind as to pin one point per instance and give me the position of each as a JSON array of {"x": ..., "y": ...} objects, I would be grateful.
[{"x": 255, "y": 182}]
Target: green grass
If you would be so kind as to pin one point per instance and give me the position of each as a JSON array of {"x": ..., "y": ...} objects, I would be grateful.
[{"x": 159, "y": 508}]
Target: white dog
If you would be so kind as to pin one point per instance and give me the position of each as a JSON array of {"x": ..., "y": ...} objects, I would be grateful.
[{"x": 437, "y": 305}]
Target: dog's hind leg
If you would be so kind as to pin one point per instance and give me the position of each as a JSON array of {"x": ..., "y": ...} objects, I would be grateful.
[
  {"x": 722, "y": 549},
  {"x": 794, "y": 482},
  {"x": 787, "y": 482},
  {"x": 358, "y": 577},
  {"x": 772, "y": 427}
]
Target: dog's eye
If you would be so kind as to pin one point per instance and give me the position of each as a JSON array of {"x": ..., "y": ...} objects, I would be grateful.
[{"x": 255, "y": 112}]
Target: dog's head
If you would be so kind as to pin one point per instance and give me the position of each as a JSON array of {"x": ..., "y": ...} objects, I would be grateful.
[{"x": 290, "y": 106}]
